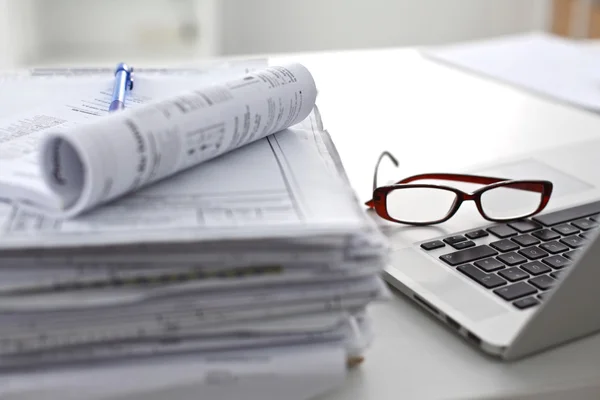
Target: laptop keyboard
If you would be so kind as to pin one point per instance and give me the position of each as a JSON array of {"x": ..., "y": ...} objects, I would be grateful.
[{"x": 525, "y": 258}]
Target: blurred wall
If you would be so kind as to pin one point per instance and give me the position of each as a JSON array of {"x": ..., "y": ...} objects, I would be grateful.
[
  {"x": 90, "y": 31},
  {"x": 99, "y": 29},
  {"x": 283, "y": 25},
  {"x": 19, "y": 39}
]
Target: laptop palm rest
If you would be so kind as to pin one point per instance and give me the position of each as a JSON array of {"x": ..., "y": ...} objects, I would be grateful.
[{"x": 410, "y": 267}]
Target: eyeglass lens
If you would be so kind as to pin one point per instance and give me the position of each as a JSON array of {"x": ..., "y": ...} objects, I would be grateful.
[
  {"x": 419, "y": 205},
  {"x": 508, "y": 202}
]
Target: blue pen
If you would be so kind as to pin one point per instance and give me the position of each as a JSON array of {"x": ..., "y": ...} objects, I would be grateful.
[{"x": 123, "y": 82}]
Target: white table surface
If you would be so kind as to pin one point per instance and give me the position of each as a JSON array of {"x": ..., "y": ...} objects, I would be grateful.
[{"x": 434, "y": 117}]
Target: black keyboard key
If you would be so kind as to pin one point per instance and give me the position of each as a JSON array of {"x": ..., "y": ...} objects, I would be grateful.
[
  {"x": 533, "y": 253},
  {"x": 513, "y": 274},
  {"x": 524, "y": 226},
  {"x": 489, "y": 264},
  {"x": 455, "y": 239},
  {"x": 558, "y": 274},
  {"x": 487, "y": 280},
  {"x": 477, "y": 234},
  {"x": 504, "y": 245},
  {"x": 595, "y": 217},
  {"x": 546, "y": 234},
  {"x": 526, "y": 240},
  {"x": 585, "y": 224},
  {"x": 554, "y": 247},
  {"x": 463, "y": 245},
  {"x": 541, "y": 296},
  {"x": 536, "y": 268},
  {"x": 573, "y": 241},
  {"x": 565, "y": 229},
  {"x": 516, "y": 290},
  {"x": 468, "y": 255},
  {"x": 556, "y": 262},
  {"x": 559, "y": 217},
  {"x": 571, "y": 254},
  {"x": 543, "y": 282},
  {"x": 502, "y": 231},
  {"x": 511, "y": 259},
  {"x": 588, "y": 234},
  {"x": 526, "y": 303},
  {"x": 436, "y": 244}
]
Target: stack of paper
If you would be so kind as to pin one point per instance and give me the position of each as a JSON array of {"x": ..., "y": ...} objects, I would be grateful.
[{"x": 261, "y": 249}]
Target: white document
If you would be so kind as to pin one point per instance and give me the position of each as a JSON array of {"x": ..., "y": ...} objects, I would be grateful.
[
  {"x": 275, "y": 188},
  {"x": 551, "y": 66},
  {"x": 65, "y": 342},
  {"x": 194, "y": 70},
  {"x": 140, "y": 301},
  {"x": 110, "y": 343},
  {"x": 39, "y": 87},
  {"x": 81, "y": 99},
  {"x": 84, "y": 165},
  {"x": 291, "y": 373},
  {"x": 31, "y": 278}
]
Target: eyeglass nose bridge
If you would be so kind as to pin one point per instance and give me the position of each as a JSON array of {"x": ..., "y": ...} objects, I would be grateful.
[
  {"x": 469, "y": 197},
  {"x": 463, "y": 197}
]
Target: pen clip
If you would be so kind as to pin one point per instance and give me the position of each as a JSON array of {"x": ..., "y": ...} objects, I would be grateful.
[
  {"x": 130, "y": 77},
  {"x": 123, "y": 67}
]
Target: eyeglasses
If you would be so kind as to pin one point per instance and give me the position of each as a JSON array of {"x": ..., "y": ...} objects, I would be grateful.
[{"x": 427, "y": 204}]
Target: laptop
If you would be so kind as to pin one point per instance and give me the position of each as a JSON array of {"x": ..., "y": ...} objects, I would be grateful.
[{"x": 517, "y": 288}]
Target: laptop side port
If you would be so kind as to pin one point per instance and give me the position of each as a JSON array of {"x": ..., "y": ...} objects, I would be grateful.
[
  {"x": 474, "y": 338},
  {"x": 455, "y": 325},
  {"x": 426, "y": 304}
]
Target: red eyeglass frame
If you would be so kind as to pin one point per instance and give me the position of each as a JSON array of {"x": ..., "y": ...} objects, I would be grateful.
[{"x": 379, "y": 200}]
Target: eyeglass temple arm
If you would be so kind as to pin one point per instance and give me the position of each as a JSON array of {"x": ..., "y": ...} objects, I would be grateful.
[
  {"x": 478, "y": 179},
  {"x": 370, "y": 203},
  {"x": 381, "y": 156}
]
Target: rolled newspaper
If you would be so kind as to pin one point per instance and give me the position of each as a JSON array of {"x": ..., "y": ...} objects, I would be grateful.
[{"x": 93, "y": 163}]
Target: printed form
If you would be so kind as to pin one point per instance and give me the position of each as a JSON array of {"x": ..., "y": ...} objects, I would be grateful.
[{"x": 279, "y": 180}]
